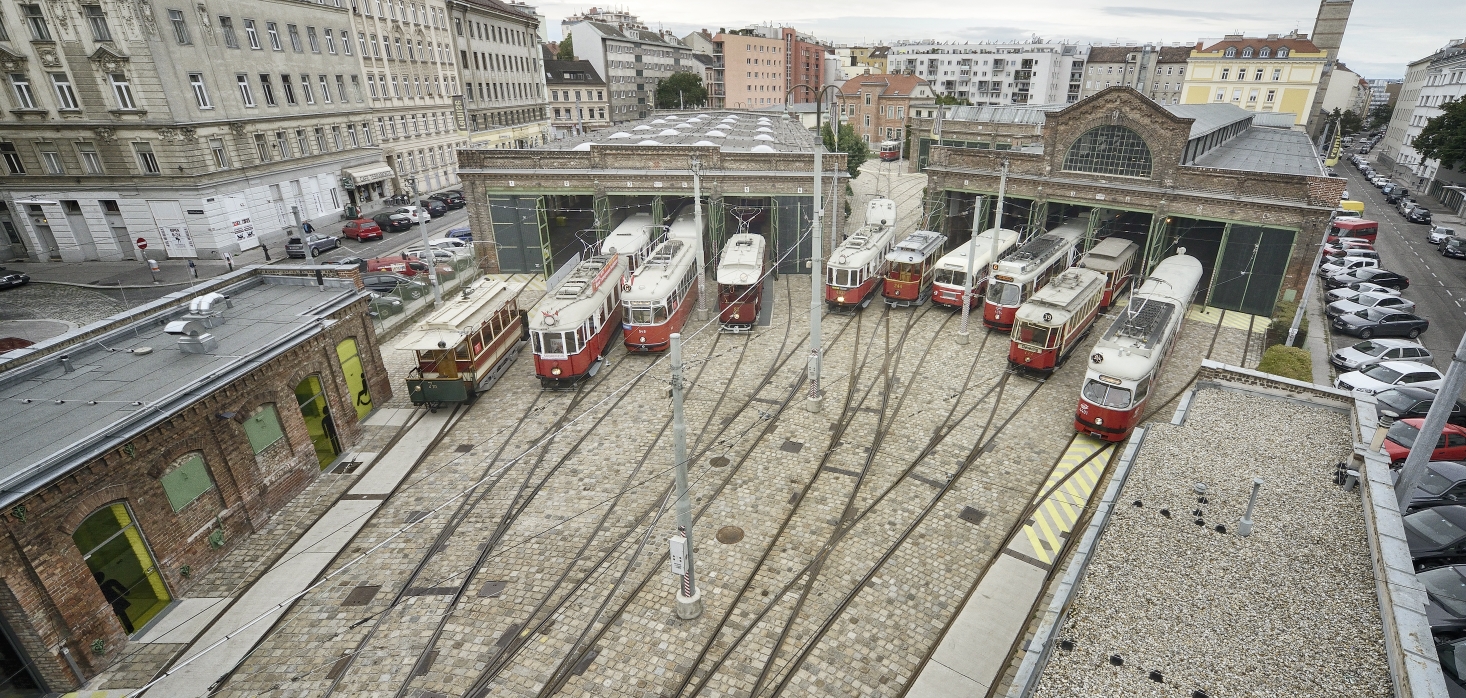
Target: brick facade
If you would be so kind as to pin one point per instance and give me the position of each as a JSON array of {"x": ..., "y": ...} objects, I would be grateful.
[{"x": 878, "y": 106}]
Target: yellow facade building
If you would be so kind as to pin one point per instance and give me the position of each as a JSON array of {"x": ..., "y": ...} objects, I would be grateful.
[{"x": 1273, "y": 74}]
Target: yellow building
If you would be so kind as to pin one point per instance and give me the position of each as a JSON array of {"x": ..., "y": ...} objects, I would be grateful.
[{"x": 1273, "y": 74}]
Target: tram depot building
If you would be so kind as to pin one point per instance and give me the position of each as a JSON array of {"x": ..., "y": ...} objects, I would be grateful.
[
  {"x": 1251, "y": 202},
  {"x": 536, "y": 209},
  {"x": 145, "y": 447}
]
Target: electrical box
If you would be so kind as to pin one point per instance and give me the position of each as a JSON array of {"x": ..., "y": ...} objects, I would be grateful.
[{"x": 678, "y": 545}]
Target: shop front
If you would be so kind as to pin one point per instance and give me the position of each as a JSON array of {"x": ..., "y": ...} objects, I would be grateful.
[{"x": 364, "y": 184}]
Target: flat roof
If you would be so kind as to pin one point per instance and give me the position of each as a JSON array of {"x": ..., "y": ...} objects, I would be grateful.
[
  {"x": 68, "y": 418},
  {"x": 1290, "y": 610},
  {"x": 745, "y": 131},
  {"x": 1271, "y": 150},
  {"x": 1209, "y": 117}
]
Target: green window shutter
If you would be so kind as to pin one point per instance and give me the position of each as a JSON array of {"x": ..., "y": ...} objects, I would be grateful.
[
  {"x": 187, "y": 481},
  {"x": 263, "y": 429}
]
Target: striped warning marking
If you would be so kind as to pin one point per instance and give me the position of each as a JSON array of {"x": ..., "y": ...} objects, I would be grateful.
[
  {"x": 534, "y": 282},
  {"x": 1059, "y": 513},
  {"x": 1234, "y": 319}
]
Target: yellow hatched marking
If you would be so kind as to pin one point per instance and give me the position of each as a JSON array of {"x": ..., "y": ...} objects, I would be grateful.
[
  {"x": 1209, "y": 315},
  {"x": 1056, "y": 516}
]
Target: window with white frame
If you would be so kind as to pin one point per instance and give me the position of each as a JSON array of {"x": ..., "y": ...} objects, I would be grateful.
[
  {"x": 331, "y": 40},
  {"x": 36, "y": 21},
  {"x": 180, "y": 27},
  {"x": 12, "y": 158},
  {"x": 251, "y": 34},
  {"x": 305, "y": 89},
  {"x": 123, "y": 91},
  {"x": 97, "y": 20},
  {"x": 226, "y": 26},
  {"x": 244, "y": 91},
  {"x": 315, "y": 41},
  {"x": 50, "y": 158},
  {"x": 65, "y": 94},
  {"x": 23, "y": 94},
  {"x": 221, "y": 155},
  {"x": 200, "y": 94},
  {"x": 91, "y": 160},
  {"x": 146, "y": 159}
]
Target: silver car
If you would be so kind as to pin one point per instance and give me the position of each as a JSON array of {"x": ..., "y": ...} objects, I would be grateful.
[
  {"x": 1383, "y": 301},
  {"x": 1439, "y": 233},
  {"x": 1352, "y": 291},
  {"x": 1373, "y": 351}
]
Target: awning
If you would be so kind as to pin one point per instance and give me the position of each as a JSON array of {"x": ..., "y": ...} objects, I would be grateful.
[{"x": 366, "y": 174}]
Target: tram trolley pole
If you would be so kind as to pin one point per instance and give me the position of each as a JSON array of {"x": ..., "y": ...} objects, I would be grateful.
[{"x": 689, "y": 599}]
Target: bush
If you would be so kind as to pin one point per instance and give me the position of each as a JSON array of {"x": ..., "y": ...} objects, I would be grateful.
[
  {"x": 1288, "y": 362},
  {"x": 1277, "y": 330}
]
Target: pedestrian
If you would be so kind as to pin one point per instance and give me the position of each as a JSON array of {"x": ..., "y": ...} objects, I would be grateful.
[
  {"x": 193, "y": 269},
  {"x": 116, "y": 594},
  {"x": 307, "y": 228},
  {"x": 229, "y": 259}
]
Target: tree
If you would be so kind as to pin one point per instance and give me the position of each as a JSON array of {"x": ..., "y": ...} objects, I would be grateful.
[
  {"x": 856, "y": 150},
  {"x": 681, "y": 90},
  {"x": 1380, "y": 115},
  {"x": 1349, "y": 122},
  {"x": 567, "y": 49},
  {"x": 949, "y": 99},
  {"x": 1444, "y": 137}
]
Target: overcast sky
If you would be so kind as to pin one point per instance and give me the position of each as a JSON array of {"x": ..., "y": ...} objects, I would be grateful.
[{"x": 1383, "y": 35}]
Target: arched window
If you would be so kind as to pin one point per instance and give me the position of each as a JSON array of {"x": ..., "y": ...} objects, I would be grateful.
[
  {"x": 1283, "y": 52},
  {"x": 1231, "y": 52},
  {"x": 1113, "y": 150},
  {"x": 1247, "y": 52},
  {"x": 867, "y": 99},
  {"x": 1264, "y": 52},
  {"x": 123, "y": 565}
]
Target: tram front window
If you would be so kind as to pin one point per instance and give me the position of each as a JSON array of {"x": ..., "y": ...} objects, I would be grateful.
[
  {"x": 1106, "y": 395},
  {"x": 659, "y": 314},
  {"x": 639, "y": 316},
  {"x": 1005, "y": 294},
  {"x": 554, "y": 342},
  {"x": 951, "y": 277},
  {"x": 1029, "y": 333}
]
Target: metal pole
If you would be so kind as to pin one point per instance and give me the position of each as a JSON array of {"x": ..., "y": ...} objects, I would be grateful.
[
  {"x": 1435, "y": 421},
  {"x": 428, "y": 251},
  {"x": 816, "y": 271},
  {"x": 1307, "y": 294},
  {"x": 689, "y": 600},
  {"x": 1244, "y": 527},
  {"x": 962, "y": 334},
  {"x": 992, "y": 263},
  {"x": 702, "y": 254}
]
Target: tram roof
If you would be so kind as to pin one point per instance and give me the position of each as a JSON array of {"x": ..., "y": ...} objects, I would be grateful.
[
  {"x": 631, "y": 235},
  {"x": 578, "y": 295},
  {"x": 116, "y": 393},
  {"x": 1110, "y": 254},
  {"x": 916, "y": 247},
  {"x": 1073, "y": 285},
  {"x": 445, "y": 327},
  {"x": 655, "y": 279},
  {"x": 957, "y": 258},
  {"x": 743, "y": 259}
]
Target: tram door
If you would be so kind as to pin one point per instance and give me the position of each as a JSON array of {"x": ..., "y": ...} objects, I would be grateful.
[
  {"x": 122, "y": 565},
  {"x": 318, "y": 422},
  {"x": 355, "y": 377}
]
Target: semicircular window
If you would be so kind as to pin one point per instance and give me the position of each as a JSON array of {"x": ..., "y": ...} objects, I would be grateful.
[{"x": 1112, "y": 150}]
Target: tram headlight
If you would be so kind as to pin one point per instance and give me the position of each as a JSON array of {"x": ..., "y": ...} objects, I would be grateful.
[
  {"x": 840, "y": 299},
  {"x": 735, "y": 316},
  {"x": 555, "y": 371},
  {"x": 1099, "y": 421}
]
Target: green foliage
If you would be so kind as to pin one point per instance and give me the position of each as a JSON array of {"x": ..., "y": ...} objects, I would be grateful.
[
  {"x": 681, "y": 90},
  {"x": 856, "y": 151},
  {"x": 1288, "y": 362},
  {"x": 1349, "y": 122},
  {"x": 1277, "y": 330},
  {"x": 1444, "y": 137},
  {"x": 1380, "y": 115},
  {"x": 567, "y": 49},
  {"x": 949, "y": 99}
]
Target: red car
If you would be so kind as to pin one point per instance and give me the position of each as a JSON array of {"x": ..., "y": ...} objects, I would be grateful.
[
  {"x": 1401, "y": 436},
  {"x": 361, "y": 230}
]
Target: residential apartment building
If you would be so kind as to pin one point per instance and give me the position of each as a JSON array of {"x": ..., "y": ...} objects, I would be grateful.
[
  {"x": 1441, "y": 78},
  {"x": 699, "y": 42},
  {"x": 753, "y": 70},
  {"x": 1379, "y": 91},
  {"x": 711, "y": 71},
  {"x": 578, "y": 97},
  {"x": 996, "y": 73},
  {"x": 1153, "y": 70},
  {"x": 1269, "y": 74},
  {"x": 877, "y": 106},
  {"x": 498, "y": 50},
  {"x": 804, "y": 63},
  {"x": 197, "y": 130},
  {"x": 633, "y": 61},
  {"x": 1345, "y": 91}
]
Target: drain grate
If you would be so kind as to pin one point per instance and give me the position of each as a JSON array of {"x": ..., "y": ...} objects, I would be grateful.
[
  {"x": 348, "y": 467},
  {"x": 508, "y": 635},
  {"x": 971, "y": 515},
  {"x": 729, "y": 535},
  {"x": 792, "y": 447},
  {"x": 425, "y": 663},
  {"x": 584, "y": 663},
  {"x": 492, "y": 589},
  {"x": 719, "y": 462},
  {"x": 464, "y": 448},
  {"x": 362, "y": 595}
]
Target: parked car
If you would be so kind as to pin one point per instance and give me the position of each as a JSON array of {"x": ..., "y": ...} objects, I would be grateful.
[
  {"x": 13, "y": 279},
  {"x": 1375, "y": 275},
  {"x": 465, "y": 234},
  {"x": 361, "y": 230},
  {"x": 451, "y": 200},
  {"x": 449, "y": 261},
  {"x": 1374, "y": 322},
  {"x": 1344, "y": 264},
  {"x": 1452, "y": 655},
  {"x": 1411, "y": 403},
  {"x": 388, "y": 282},
  {"x": 311, "y": 245},
  {"x": 357, "y": 262},
  {"x": 452, "y": 243},
  {"x": 1393, "y": 197},
  {"x": 1405, "y": 205},
  {"x": 1388, "y": 189},
  {"x": 1438, "y": 234},
  {"x": 1445, "y": 600},
  {"x": 1341, "y": 247},
  {"x": 1384, "y": 301},
  {"x": 384, "y": 306},
  {"x": 1401, "y": 437},
  {"x": 1419, "y": 214},
  {"x": 1353, "y": 290},
  {"x": 1388, "y": 374},
  {"x": 1346, "y": 254},
  {"x": 1437, "y": 536},
  {"x": 1372, "y": 351},
  {"x": 434, "y": 207},
  {"x": 416, "y": 214},
  {"x": 1444, "y": 483},
  {"x": 1453, "y": 247},
  {"x": 392, "y": 222}
]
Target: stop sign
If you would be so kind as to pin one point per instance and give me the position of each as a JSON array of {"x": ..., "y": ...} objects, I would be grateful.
[{"x": 142, "y": 243}]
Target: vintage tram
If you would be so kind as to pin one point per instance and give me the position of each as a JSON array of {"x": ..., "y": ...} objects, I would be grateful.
[
  {"x": 1021, "y": 274},
  {"x": 1115, "y": 258},
  {"x": 911, "y": 268},
  {"x": 464, "y": 346},
  {"x": 951, "y": 271},
  {"x": 741, "y": 270},
  {"x": 890, "y": 151},
  {"x": 858, "y": 265},
  {"x": 572, "y": 326},
  {"x": 1048, "y": 327},
  {"x": 659, "y": 295},
  {"x": 633, "y": 239},
  {"x": 1127, "y": 360}
]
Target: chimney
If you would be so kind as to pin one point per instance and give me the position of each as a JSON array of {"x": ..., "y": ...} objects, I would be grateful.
[{"x": 66, "y": 363}]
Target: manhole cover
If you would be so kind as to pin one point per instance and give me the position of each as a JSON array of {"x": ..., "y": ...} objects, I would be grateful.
[
  {"x": 719, "y": 462},
  {"x": 728, "y": 535}
]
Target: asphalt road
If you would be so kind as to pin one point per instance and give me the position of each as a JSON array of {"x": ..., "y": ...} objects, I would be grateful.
[
  {"x": 1437, "y": 284},
  {"x": 389, "y": 244}
]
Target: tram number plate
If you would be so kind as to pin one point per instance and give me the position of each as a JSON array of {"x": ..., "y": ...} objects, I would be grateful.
[{"x": 678, "y": 546}]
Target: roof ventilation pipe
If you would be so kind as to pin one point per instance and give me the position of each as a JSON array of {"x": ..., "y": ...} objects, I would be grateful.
[
  {"x": 192, "y": 339},
  {"x": 66, "y": 363},
  {"x": 208, "y": 309}
]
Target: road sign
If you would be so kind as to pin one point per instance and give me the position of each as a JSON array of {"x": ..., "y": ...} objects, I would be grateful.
[{"x": 142, "y": 243}]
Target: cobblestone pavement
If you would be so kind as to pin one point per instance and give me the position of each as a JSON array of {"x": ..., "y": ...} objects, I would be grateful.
[{"x": 78, "y": 306}]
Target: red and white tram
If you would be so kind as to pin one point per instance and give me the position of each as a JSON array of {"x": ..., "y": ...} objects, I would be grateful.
[
  {"x": 572, "y": 326},
  {"x": 858, "y": 265},
  {"x": 911, "y": 267},
  {"x": 464, "y": 346},
  {"x": 1048, "y": 327},
  {"x": 740, "y": 282},
  {"x": 1115, "y": 258},
  {"x": 633, "y": 239},
  {"x": 1021, "y": 274},
  {"x": 952, "y": 267},
  {"x": 1128, "y": 359},
  {"x": 659, "y": 295}
]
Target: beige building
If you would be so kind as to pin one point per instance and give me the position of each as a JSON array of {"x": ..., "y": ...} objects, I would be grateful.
[
  {"x": 878, "y": 106},
  {"x": 1270, "y": 74},
  {"x": 1152, "y": 70},
  {"x": 753, "y": 70},
  {"x": 500, "y": 66},
  {"x": 578, "y": 100}
]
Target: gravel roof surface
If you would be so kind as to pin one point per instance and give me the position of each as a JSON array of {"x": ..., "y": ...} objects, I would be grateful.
[{"x": 1288, "y": 611}]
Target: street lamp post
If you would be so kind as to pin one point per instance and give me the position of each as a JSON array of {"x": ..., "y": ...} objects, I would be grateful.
[{"x": 816, "y": 246}]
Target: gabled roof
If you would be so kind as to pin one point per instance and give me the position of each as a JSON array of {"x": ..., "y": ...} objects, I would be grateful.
[
  {"x": 1117, "y": 54},
  {"x": 1295, "y": 45},
  {"x": 505, "y": 8},
  {"x": 889, "y": 84},
  {"x": 629, "y": 34},
  {"x": 555, "y": 72}
]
